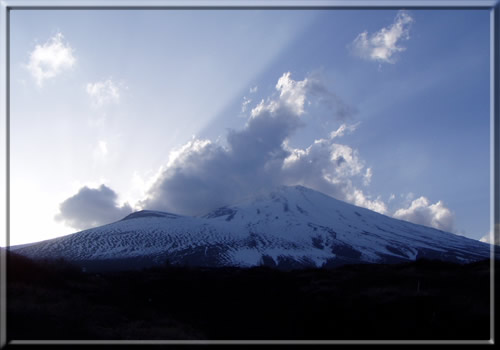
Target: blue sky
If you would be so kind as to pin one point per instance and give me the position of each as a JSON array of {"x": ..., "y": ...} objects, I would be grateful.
[{"x": 114, "y": 111}]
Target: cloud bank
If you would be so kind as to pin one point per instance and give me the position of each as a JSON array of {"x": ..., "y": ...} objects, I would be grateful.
[
  {"x": 202, "y": 175},
  {"x": 383, "y": 45},
  {"x": 50, "y": 59},
  {"x": 422, "y": 212},
  {"x": 91, "y": 207}
]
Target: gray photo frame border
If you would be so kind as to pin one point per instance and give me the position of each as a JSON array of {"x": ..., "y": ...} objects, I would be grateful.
[{"x": 8, "y": 5}]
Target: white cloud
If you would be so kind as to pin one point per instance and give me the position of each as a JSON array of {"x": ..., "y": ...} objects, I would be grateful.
[
  {"x": 202, "y": 175},
  {"x": 383, "y": 45},
  {"x": 492, "y": 237},
  {"x": 91, "y": 207},
  {"x": 246, "y": 102},
  {"x": 367, "y": 177},
  {"x": 328, "y": 160},
  {"x": 103, "y": 92},
  {"x": 421, "y": 212},
  {"x": 342, "y": 129},
  {"x": 50, "y": 59},
  {"x": 253, "y": 89},
  {"x": 140, "y": 184},
  {"x": 407, "y": 198},
  {"x": 357, "y": 197},
  {"x": 292, "y": 92},
  {"x": 100, "y": 150},
  {"x": 330, "y": 167},
  {"x": 103, "y": 147}
]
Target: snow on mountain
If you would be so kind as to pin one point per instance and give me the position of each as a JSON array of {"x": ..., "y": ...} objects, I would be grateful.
[{"x": 289, "y": 227}]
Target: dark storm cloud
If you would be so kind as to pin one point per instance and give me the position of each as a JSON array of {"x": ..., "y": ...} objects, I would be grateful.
[{"x": 91, "y": 207}]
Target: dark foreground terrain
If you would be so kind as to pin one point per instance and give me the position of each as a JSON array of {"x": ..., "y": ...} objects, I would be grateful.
[{"x": 420, "y": 300}]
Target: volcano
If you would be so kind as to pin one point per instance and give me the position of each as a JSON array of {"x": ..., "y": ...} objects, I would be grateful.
[{"x": 289, "y": 227}]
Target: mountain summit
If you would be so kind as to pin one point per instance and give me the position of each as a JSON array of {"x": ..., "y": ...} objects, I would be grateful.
[{"x": 290, "y": 227}]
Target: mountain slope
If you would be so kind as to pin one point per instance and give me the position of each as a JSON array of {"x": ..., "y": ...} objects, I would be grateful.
[{"x": 289, "y": 227}]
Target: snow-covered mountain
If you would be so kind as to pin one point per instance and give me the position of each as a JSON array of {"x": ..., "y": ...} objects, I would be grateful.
[{"x": 290, "y": 227}]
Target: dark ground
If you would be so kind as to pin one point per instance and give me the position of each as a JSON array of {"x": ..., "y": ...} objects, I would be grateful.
[{"x": 419, "y": 300}]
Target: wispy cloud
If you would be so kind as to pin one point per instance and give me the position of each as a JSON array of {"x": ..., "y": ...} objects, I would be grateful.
[
  {"x": 342, "y": 129},
  {"x": 367, "y": 177},
  {"x": 50, "y": 59},
  {"x": 384, "y": 44},
  {"x": 246, "y": 102},
  {"x": 103, "y": 92}
]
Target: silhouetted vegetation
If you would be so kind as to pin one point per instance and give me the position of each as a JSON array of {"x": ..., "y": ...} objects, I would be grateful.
[{"x": 419, "y": 300}]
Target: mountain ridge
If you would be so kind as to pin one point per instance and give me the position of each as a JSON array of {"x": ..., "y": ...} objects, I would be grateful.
[{"x": 288, "y": 227}]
